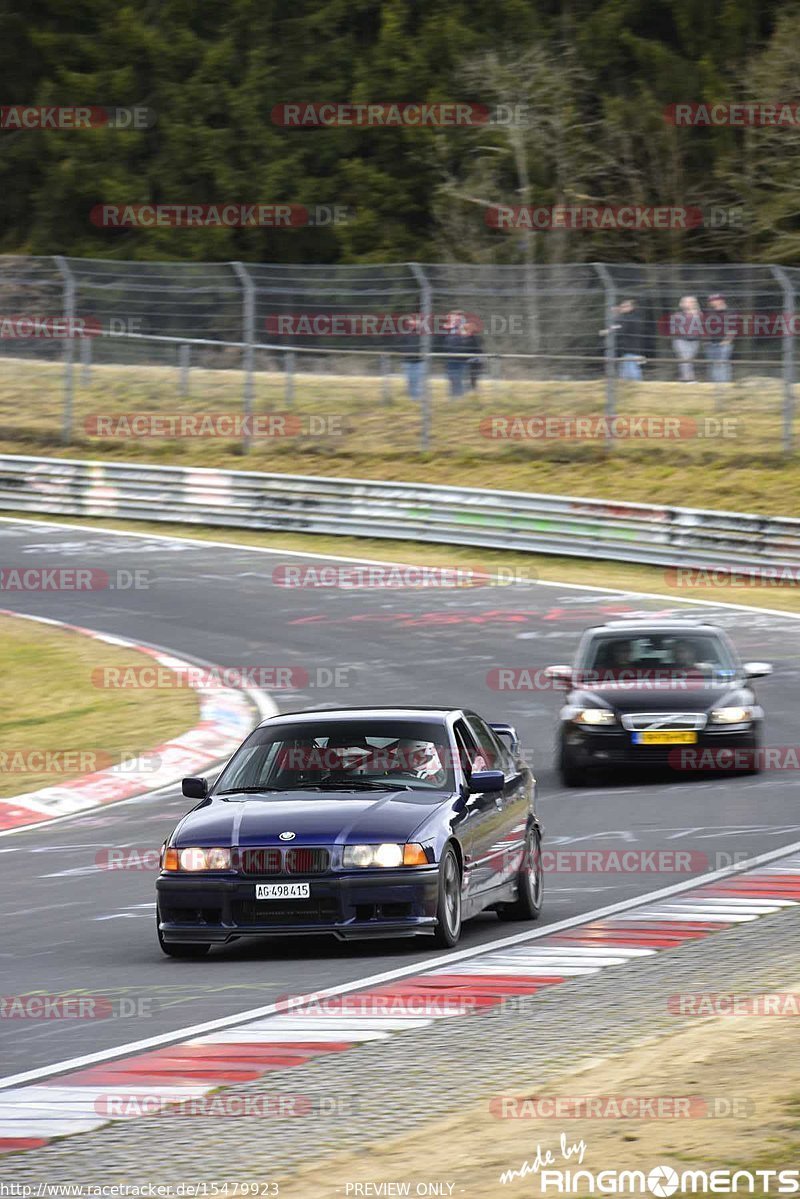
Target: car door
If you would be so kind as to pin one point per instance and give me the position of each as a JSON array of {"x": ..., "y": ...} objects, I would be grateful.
[
  {"x": 513, "y": 803},
  {"x": 482, "y": 817}
]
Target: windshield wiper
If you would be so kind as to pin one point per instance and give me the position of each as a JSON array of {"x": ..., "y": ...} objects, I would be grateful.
[
  {"x": 367, "y": 784},
  {"x": 245, "y": 790}
]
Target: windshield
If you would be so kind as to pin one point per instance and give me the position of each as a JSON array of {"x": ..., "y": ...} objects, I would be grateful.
[
  {"x": 336, "y": 755},
  {"x": 624, "y": 656}
]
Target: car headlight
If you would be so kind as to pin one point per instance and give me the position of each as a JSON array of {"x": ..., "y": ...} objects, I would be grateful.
[
  {"x": 388, "y": 854},
  {"x": 731, "y": 715},
  {"x": 595, "y": 716},
  {"x": 194, "y": 859}
]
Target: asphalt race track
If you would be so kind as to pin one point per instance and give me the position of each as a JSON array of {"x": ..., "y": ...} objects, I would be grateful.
[{"x": 72, "y": 927}]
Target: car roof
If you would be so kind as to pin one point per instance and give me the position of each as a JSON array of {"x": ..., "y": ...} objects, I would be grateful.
[
  {"x": 437, "y": 715},
  {"x": 643, "y": 625}
]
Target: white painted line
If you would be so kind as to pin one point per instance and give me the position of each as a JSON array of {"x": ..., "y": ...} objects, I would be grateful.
[
  {"x": 269, "y": 1036},
  {"x": 694, "y": 917},
  {"x": 731, "y": 902},
  {"x": 534, "y": 971},
  {"x": 545, "y": 950},
  {"x": 599, "y": 959},
  {"x": 758, "y": 909},
  {"x": 242, "y": 1018},
  {"x": 42, "y": 1128}
]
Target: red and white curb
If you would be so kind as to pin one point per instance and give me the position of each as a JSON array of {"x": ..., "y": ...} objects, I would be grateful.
[
  {"x": 239, "y": 1049},
  {"x": 226, "y": 717}
]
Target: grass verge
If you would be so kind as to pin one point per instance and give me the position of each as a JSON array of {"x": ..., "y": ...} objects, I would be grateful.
[
  {"x": 56, "y": 725},
  {"x": 350, "y": 427}
]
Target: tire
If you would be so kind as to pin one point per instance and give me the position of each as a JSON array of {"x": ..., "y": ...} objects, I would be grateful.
[
  {"x": 181, "y": 949},
  {"x": 530, "y": 883},
  {"x": 448, "y": 908},
  {"x": 571, "y": 775}
]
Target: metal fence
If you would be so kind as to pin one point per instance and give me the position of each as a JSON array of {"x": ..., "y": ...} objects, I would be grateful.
[{"x": 616, "y": 326}]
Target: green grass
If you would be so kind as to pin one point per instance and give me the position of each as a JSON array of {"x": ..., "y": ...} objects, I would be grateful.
[
  {"x": 622, "y": 576},
  {"x": 49, "y": 703},
  {"x": 378, "y": 439}
]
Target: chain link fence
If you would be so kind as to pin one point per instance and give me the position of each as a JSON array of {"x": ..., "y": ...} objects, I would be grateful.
[{"x": 608, "y": 338}]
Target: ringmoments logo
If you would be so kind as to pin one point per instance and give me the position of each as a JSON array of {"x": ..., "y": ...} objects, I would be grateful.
[{"x": 559, "y": 1171}]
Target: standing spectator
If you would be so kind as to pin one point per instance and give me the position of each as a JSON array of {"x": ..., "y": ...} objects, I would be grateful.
[
  {"x": 628, "y": 344},
  {"x": 413, "y": 358},
  {"x": 473, "y": 344},
  {"x": 453, "y": 342},
  {"x": 721, "y": 333},
  {"x": 687, "y": 327}
]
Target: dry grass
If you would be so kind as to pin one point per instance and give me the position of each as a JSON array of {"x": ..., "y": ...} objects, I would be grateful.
[
  {"x": 372, "y": 438},
  {"x": 48, "y": 703}
]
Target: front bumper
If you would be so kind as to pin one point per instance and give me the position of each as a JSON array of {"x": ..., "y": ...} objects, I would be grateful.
[
  {"x": 215, "y": 909},
  {"x": 613, "y": 746}
]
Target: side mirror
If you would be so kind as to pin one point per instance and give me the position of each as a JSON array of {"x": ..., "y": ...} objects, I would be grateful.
[
  {"x": 757, "y": 670},
  {"x": 194, "y": 788},
  {"x": 486, "y": 780},
  {"x": 508, "y": 734},
  {"x": 561, "y": 677}
]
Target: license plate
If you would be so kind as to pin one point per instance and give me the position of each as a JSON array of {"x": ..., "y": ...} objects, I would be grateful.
[
  {"x": 283, "y": 890},
  {"x": 664, "y": 737}
]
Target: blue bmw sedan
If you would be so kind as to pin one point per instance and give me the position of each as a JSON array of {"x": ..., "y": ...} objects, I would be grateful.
[{"x": 359, "y": 822}]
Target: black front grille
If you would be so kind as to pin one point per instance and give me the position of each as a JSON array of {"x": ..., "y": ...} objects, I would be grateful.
[
  {"x": 306, "y": 861},
  {"x": 260, "y": 861},
  {"x": 293, "y": 911},
  {"x": 271, "y": 860}
]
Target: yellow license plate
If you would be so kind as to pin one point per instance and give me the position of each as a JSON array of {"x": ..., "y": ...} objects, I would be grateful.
[{"x": 664, "y": 737}]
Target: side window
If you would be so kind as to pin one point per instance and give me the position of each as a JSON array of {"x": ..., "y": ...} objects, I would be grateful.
[
  {"x": 493, "y": 754},
  {"x": 468, "y": 751}
]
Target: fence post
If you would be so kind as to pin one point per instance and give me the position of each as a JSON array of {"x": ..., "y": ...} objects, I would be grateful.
[
  {"x": 248, "y": 337},
  {"x": 86, "y": 360},
  {"x": 184, "y": 350},
  {"x": 288, "y": 390},
  {"x": 386, "y": 383},
  {"x": 426, "y": 309},
  {"x": 69, "y": 348},
  {"x": 788, "y": 360},
  {"x": 611, "y": 338}
]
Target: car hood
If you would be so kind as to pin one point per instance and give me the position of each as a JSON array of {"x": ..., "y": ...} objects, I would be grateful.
[
  {"x": 314, "y": 819},
  {"x": 664, "y": 697}
]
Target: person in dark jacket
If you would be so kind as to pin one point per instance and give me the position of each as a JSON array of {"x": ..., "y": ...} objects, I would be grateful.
[
  {"x": 453, "y": 342},
  {"x": 627, "y": 330},
  {"x": 473, "y": 345},
  {"x": 413, "y": 357},
  {"x": 721, "y": 325}
]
